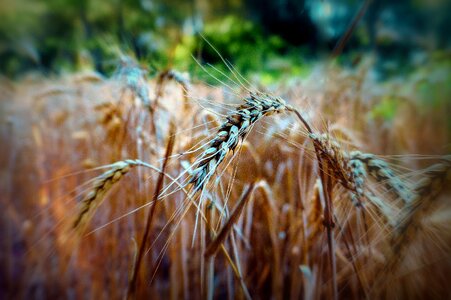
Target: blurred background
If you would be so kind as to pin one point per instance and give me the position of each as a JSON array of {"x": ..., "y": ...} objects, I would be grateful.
[
  {"x": 378, "y": 71},
  {"x": 267, "y": 39}
]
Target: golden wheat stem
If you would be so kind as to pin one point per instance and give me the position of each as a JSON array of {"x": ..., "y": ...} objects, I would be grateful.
[
  {"x": 212, "y": 248},
  {"x": 131, "y": 294},
  {"x": 326, "y": 182}
]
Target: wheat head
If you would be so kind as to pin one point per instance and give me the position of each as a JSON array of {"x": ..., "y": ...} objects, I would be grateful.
[
  {"x": 101, "y": 185},
  {"x": 236, "y": 126},
  {"x": 381, "y": 172},
  {"x": 348, "y": 171}
]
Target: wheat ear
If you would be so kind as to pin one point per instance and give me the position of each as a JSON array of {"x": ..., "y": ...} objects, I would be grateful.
[
  {"x": 135, "y": 79},
  {"x": 349, "y": 172},
  {"x": 179, "y": 78},
  {"x": 381, "y": 172},
  {"x": 426, "y": 191},
  {"x": 236, "y": 126},
  {"x": 101, "y": 185}
]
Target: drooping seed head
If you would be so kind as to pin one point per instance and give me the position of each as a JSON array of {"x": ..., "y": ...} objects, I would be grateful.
[
  {"x": 349, "y": 172},
  {"x": 100, "y": 187},
  {"x": 382, "y": 173},
  {"x": 235, "y": 127}
]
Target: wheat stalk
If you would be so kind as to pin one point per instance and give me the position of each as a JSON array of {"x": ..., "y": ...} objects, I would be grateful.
[
  {"x": 213, "y": 247},
  {"x": 237, "y": 125},
  {"x": 314, "y": 218},
  {"x": 131, "y": 293}
]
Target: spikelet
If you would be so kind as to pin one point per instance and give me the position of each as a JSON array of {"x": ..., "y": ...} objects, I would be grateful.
[
  {"x": 237, "y": 125},
  {"x": 358, "y": 174},
  {"x": 101, "y": 185}
]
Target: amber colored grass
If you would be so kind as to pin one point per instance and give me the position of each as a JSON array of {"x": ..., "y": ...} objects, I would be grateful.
[{"x": 310, "y": 203}]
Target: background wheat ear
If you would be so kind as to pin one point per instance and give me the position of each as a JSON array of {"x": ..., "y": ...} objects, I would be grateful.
[
  {"x": 180, "y": 78},
  {"x": 101, "y": 185},
  {"x": 381, "y": 172},
  {"x": 134, "y": 78},
  {"x": 427, "y": 189},
  {"x": 410, "y": 220}
]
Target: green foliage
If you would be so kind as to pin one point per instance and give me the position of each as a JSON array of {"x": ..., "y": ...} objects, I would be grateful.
[
  {"x": 428, "y": 85},
  {"x": 386, "y": 109},
  {"x": 244, "y": 44},
  {"x": 434, "y": 81},
  {"x": 241, "y": 41}
]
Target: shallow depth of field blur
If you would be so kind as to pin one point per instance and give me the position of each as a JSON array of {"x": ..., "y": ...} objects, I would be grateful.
[{"x": 77, "y": 78}]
